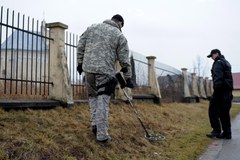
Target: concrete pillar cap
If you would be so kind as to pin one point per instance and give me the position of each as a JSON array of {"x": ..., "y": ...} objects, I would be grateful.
[{"x": 56, "y": 24}]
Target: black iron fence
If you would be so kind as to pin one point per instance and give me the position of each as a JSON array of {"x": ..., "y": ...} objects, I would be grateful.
[
  {"x": 24, "y": 57},
  {"x": 77, "y": 81}
]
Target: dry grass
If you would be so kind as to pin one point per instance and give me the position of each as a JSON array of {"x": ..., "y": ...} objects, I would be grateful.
[{"x": 64, "y": 133}]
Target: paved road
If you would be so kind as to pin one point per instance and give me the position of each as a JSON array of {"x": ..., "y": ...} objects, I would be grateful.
[{"x": 225, "y": 149}]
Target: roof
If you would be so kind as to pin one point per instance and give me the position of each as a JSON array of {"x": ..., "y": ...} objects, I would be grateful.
[
  {"x": 236, "y": 80},
  {"x": 24, "y": 41}
]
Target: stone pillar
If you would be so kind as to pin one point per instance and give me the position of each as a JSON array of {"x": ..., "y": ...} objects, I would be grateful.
[
  {"x": 152, "y": 79},
  {"x": 211, "y": 86},
  {"x": 195, "y": 92},
  {"x": 202, "y": 88},
  {"x": 208, "y": 89},
  {"x": 61, "y": 89},
  {"x": 118, "y": 92},
  {"x": 186, "y": 91}
]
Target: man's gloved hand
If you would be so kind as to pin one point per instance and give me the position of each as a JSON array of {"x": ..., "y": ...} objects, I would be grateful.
[
  {"x": 129, "y": 83},
  {"x": 124, "y": 70},
  {"x": 79, "y": 68}
]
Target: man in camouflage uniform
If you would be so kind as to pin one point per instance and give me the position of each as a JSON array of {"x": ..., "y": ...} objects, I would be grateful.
[{"x": 98, "y": 49}]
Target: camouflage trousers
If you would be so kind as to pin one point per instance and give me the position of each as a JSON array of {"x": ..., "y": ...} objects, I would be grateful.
[{"x": 98, "y": 103}]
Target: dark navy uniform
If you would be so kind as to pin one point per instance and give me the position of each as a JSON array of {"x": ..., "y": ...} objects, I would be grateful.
[{"x": 220, "y": 103}]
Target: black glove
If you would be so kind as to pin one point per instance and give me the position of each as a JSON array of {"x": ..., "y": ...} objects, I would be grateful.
[
  {"x": 79, "y": 68},
  {"x": 124, "y": 70},
  {"x": 129, "y": 83}
]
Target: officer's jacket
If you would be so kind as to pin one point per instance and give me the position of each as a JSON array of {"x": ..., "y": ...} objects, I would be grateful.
[
  {"x": 221, "y": 74},
  {"x": 100, "y": 46}
]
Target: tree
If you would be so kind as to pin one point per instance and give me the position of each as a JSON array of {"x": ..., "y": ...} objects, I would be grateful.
[{"x": 201, "y": 67}]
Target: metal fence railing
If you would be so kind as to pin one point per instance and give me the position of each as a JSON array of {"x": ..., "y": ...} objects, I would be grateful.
[
  {"x": 170, "y": 82},
  {"x": 24, "y": 56},
  {"x": 77, "y": 81}
]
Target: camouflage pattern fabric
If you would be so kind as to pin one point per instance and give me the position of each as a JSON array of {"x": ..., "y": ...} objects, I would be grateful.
[
  {"x": 92, "y": 102},
  {"x": 98, "y": 104},
  {"x": 102, "y": 117},
  {"x": 100, "y": 46}
]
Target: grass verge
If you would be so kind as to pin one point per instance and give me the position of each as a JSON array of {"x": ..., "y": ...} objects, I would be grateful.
[{"x": 64, "y": 133}]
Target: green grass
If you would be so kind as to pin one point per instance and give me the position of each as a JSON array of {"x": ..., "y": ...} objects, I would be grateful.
[{"x": 64, "y": 133}]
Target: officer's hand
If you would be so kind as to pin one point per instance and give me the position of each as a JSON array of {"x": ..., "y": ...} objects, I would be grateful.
[
  {"x": 129, "y": 83},
  {"x": 79, "y": 68},
  {"x": 218, "y": 92}
]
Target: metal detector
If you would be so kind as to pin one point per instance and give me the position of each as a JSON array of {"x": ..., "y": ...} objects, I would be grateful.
[{"x": 148, "y": 136}]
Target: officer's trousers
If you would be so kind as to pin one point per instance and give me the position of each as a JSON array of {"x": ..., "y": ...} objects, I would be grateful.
[{"x": 219, "y": 111}]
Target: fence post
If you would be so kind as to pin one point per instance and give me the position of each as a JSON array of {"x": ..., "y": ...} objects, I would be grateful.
[
  {"x": 211, "y": 86},
  {"x": 195, "y": 92},
  {"x": 208, "y": 89},
  {"x": 61, "y": 89},
  {"x": 186, "y": 90},
  {"x": 202, "y": 90},
  {"x": 152, "y": 79}
]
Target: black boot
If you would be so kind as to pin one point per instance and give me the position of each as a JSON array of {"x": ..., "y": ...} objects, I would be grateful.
[
  {"x": 105, "y": 141},
  {"x": 213, "y": 134},
  {"x": 225, "y": 135}
]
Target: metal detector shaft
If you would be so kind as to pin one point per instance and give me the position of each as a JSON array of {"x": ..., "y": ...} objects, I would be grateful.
[{"x": 136, "y": 112}]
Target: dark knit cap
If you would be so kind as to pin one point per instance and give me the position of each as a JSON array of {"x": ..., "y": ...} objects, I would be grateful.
[
  {"x": 214, "y": 51},
  {"x": 118, "y": 18}
]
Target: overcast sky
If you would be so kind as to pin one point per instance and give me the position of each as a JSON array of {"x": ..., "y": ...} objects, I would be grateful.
[{"x": 175, "y": 31}]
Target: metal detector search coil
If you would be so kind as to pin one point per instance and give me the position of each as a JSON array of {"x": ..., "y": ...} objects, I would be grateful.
[{"x": 155, "y": 137}]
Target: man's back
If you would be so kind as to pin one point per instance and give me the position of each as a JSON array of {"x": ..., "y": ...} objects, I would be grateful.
[{"x": 102, "y": 42}]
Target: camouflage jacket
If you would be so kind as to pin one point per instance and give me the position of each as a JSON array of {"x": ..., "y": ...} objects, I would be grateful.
[{"x": 100, "y": 46}]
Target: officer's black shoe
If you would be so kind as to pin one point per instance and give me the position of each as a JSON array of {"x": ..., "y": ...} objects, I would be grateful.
[
  {"x": 94, "y": 130},
  {"x": 213, "y": 134},
  {"x": 225, "y": 135}
]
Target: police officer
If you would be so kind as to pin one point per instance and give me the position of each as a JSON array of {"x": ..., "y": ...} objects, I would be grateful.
[
  {"x": 220, "y": 103},
  {"x": 97, "y": 51}
]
